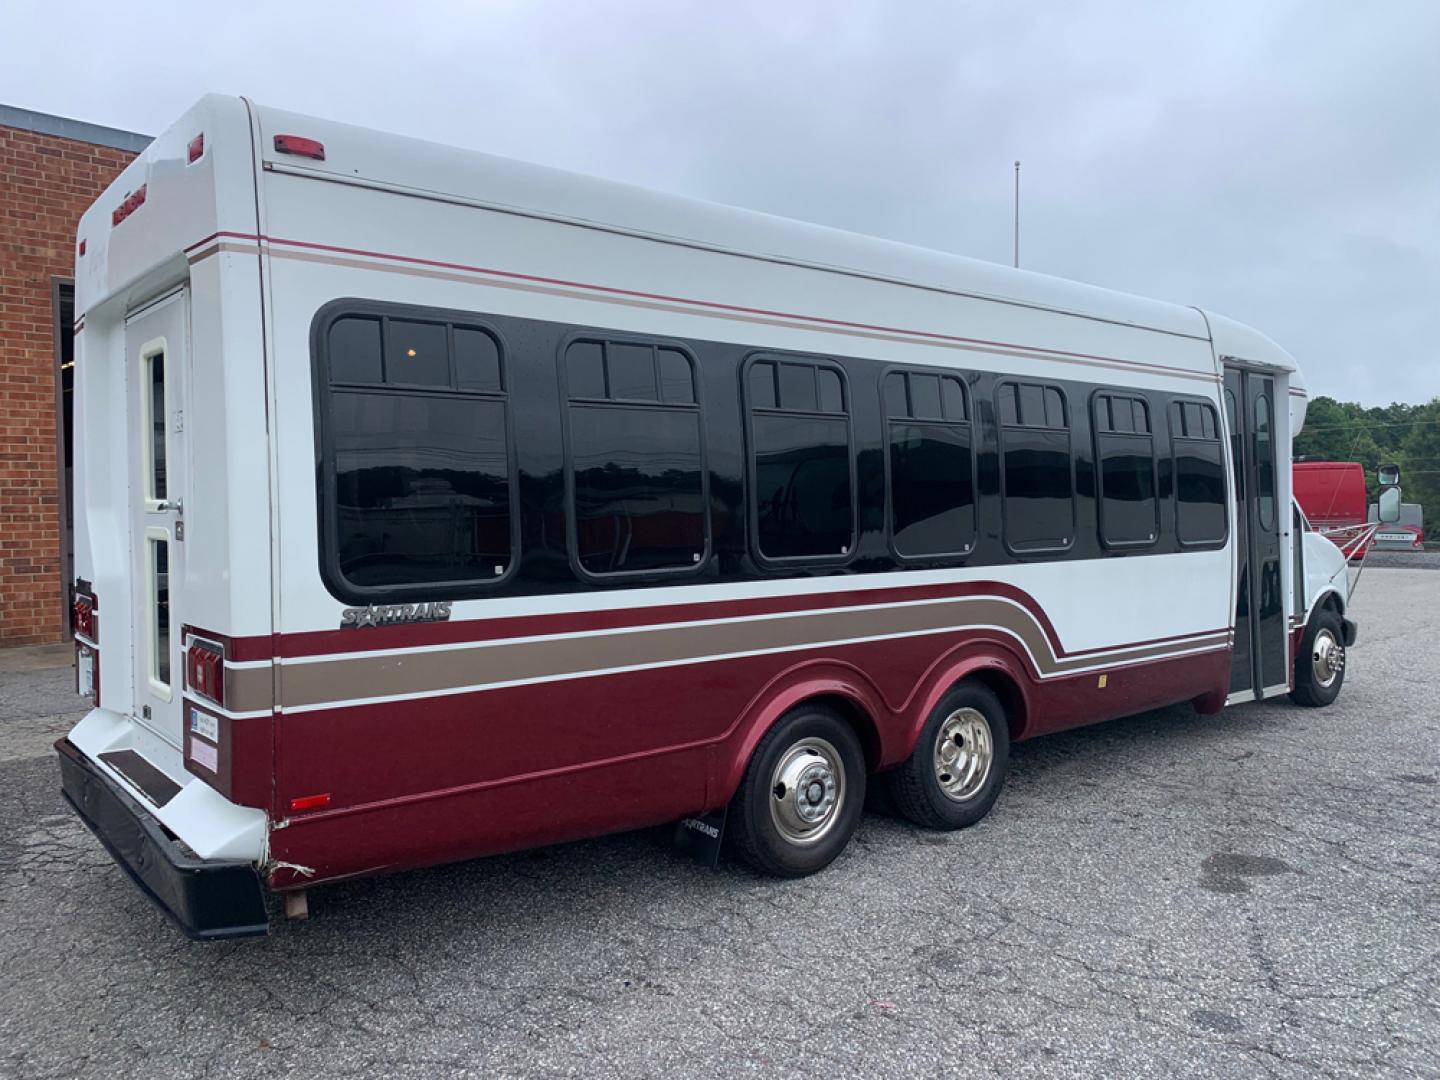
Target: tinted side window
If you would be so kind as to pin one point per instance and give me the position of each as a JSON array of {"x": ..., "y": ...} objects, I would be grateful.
[
  {"x": 417, "y": 468},
  {"x": 636, "y": 463},
  {"x": 1125, "y": 465},
  {"x": 1037, "y": 481},
  {"x": 803, "y": 491},
  {"x": 930, "y": 458},
  {"x": 1264, "y": 463},
  {"x": 1199, "y": 467}
]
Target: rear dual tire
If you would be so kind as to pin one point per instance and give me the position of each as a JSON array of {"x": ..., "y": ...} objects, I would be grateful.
[
  {"x": 803, "y": 792},
  {"x": 958, "y": 768}
]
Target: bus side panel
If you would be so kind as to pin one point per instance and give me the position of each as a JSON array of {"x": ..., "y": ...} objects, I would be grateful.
[{"x": 458, "y": 777}]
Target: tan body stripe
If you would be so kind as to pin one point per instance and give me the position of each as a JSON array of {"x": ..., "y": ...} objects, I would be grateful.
[{"x": 406, "y": 673}]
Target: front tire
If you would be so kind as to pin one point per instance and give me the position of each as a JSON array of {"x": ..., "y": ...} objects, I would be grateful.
[
  {"x": 958, "y": 768},
  {"x": 1320, "y": 662},
  {"x": 802, "y": 795}
]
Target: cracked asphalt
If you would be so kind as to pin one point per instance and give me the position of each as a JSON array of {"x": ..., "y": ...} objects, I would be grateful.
[{"x": 1253, "y": 894}]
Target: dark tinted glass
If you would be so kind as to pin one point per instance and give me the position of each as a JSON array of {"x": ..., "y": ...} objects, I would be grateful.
[
  {"x": 797, "y": 387},
  {"x": 586, "y": 363},
  {"x": 803, "y": 496},
  {"x": 477, "y": 361},
  {"x": 925, "y": 397},
  {"x": 677, "y": 381},
  {"x": 1054, "y": 408},
  {"x": 421, "y": 488},
  {"x": 632, "y": 371},
  {"x": 954, "y": 399},
  {"x": 1264, "y": 463},
  {"x": 354, "y": 351},
  {"x": 1032, "y": 404},
  {"x": 418, "y": 354},
  {"x": 832, "y": 394},
  {"x": 638, "y": 496},
  {"x": 1142, "y": 416},
  {"x": 160, "y": 645},
  {"x": 1008, "y": 397},
  {"x": 896, "y": 403},
  {"x": 1127, "y": 486},
  {"x": 1236, "y": 450},
  {"x": 1039, "y": 503},
  {"x": 158, "y": 426},
  {"x": 1199, "y": 492},
  {"x": 762, "y": 386},
  {"x": 932, "y": 499}
]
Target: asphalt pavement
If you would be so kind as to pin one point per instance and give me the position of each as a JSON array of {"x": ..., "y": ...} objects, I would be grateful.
[{"x": 1253, "y": 894}]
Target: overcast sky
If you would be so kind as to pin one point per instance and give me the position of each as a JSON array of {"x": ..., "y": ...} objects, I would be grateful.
[{"x": 1276, "y": 162}]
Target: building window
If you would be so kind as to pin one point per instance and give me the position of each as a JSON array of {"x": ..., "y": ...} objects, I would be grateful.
[
  {"x": 930, "y": 464},
  {"x": 1125, "y": 465},
  {"x": 802, "y": 493},
  {"x": 1199, "y": 465},
  {"x": 636, "y": 464},
  {"x": 417, "y": 460},
  {"x": 1037, "y": 477}
]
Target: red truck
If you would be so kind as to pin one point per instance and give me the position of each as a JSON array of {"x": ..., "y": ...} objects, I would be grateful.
[{"x": 1331, "y": 493}]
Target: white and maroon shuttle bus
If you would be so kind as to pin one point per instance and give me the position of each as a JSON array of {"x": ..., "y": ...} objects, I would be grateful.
[{"x": 434, "y": 505}]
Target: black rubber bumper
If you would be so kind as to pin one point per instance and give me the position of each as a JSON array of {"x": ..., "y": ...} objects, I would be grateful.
[
  {"x": 209, "y": 899},
  {"x": 1349, "y": 631}
]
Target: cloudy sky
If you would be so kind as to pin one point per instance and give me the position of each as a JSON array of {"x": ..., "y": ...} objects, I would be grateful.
[{"x": 1277, "y": 162}]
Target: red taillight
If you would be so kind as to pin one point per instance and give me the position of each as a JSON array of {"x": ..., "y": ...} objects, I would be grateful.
[
  {"x": 83, "y": 616},
  {"x": 82, "y": 247},
  {"x": 133, "y": 202},
  {"x": 298, "y": 144},
  {"x": 310, "y": 802},
  {"x": 196, "y": 148},
  {"x": 205, "y": 672}
]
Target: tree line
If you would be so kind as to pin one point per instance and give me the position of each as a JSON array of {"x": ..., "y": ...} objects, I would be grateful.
[{"x": 1407, "y": 435}]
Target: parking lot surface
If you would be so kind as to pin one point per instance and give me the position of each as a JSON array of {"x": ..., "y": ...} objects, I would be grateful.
[{"x": 1252, "y": 894}]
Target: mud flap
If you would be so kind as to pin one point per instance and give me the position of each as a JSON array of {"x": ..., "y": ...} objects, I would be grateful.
[{"x": 702, "y": 837}]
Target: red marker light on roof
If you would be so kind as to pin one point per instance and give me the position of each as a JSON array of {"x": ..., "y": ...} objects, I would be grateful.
[
  {"x": 133, "y": 202},
  {"x": 196, "y": 148},
  {"x": 300, "y": 146}
]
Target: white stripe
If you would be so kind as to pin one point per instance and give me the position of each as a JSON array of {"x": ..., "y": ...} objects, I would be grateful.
[{"x": 734, "y": 620}]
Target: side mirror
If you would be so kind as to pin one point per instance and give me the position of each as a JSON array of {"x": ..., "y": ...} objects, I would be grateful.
[
  {"x": 1389, "y": 475},
  {"x": 1389, "y": 509}
]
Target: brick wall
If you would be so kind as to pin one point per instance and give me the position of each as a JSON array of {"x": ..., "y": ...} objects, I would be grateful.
[{"x": 46, "y": 182}]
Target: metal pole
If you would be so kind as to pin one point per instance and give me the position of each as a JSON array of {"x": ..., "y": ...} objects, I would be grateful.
[{"x": 1017, "y": 214}]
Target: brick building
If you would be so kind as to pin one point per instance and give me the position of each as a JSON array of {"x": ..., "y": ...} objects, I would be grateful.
[{"x": 51, "y": 170}]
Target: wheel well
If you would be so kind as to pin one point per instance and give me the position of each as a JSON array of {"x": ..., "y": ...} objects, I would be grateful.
[
  {"x": 860, "y": 721},
  {"x": 1332, "y": 602},
  {"x": 1003, "y": 686}
]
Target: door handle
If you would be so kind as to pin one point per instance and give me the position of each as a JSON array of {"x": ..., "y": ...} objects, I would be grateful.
[{"x": 178, "y": 505}]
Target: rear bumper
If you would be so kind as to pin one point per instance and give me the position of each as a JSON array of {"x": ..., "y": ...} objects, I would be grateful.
[{"x": 207, "y": 898}]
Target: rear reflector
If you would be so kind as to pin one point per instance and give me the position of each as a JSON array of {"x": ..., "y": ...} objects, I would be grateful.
[
  {"x": 296, "y": 144},
  {"x": 310, "y": 802},
  {"x": 133, "y": 202},
  {"x": 82, "y": 247},
  {"x": 196, "y": 148},
  {"x": 205, "y": 672}
]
